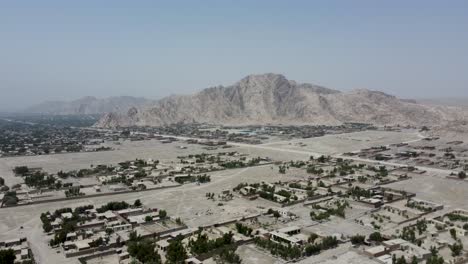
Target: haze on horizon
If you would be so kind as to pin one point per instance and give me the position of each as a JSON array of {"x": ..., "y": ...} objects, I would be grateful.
[{"x": 63, "y": 50}]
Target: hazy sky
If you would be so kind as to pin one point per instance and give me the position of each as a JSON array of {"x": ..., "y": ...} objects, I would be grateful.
[{"x": 68, "y": 49}]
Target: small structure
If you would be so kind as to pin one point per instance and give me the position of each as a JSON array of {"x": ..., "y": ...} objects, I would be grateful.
[{"x": 162, "y": 245}]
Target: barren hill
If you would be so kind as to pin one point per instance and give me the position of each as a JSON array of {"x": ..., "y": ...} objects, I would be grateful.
[
  {"x": 273, "y": 99},
  {"x": 88, "y": 105}
]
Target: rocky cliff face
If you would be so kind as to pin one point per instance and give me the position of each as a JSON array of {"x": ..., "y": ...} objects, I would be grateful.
[
  {"x": 273, "y": 99},
  {"x": 88, "y": 105}
]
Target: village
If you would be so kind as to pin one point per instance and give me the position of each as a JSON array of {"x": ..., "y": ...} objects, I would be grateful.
[{"x": 177, "y": 199}]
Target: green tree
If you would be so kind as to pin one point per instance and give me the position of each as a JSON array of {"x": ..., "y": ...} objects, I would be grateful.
[
  {"x": 312, "y": 238},
  {"x": 453, "y": 233},
  {"x": 162, "y": 214},
  {"x": 357, "y": 240},
  {"x": 376, "y": 236},
  {"x": 137, "y": 203},
  {"x": 176, "y": 252},
  {"x": 401, "y": 260},
  {"x": 456, "y": 249},
  {"x": 21, "y": 170},
  {"x": 7, "y": 256},
  {"x": 435, "y": 258},
  {"x": 462, "y": 175},
  {"x": 144, "y": 251},
  {"x": 228, "y": 256}
]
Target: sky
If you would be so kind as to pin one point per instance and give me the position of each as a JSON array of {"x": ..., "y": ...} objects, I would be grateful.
[{"x": 63, "y": 50}]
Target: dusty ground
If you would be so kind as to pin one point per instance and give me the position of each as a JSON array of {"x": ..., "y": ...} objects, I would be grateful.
[
  {"x": 190, "y": 204},
  {"x": 336, "y": 144}
]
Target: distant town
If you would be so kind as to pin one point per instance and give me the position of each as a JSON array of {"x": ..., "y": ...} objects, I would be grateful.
[{"x": 200, "y": 193}]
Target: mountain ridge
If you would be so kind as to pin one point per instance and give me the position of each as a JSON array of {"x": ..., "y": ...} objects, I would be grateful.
[
  {"x": 273, "y": 99},
  {"x": 88, "y": 105}
]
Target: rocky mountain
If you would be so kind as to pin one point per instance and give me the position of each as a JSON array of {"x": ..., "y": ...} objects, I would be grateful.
[
  {"x": 273, "y": 99},
  {"x": 459, "y": 102},
  {"x": 88, "y": 105}
]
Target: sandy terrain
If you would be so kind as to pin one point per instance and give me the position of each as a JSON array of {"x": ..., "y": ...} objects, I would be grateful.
[{"x": 190, "y": 204}]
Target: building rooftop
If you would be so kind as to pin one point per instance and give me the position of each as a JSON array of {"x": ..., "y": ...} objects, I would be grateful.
[{"x": 289, "y": 229}]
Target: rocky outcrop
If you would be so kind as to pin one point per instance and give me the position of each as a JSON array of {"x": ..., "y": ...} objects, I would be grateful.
[{"x": 273, "y": 99}]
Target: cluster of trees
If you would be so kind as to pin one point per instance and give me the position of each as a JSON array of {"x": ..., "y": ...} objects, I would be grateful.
[
  {"x": 113, "y": 206},
  {"x": 275, "y": 213},
  {"x": 39, "y": 180},
  {"x": 344, "y": 168},
  {"x": 326, "y": 243},
  {"x": 140, "y": 163},
  {"x": 254, "y": 161},
  {"x": 4, "y": 188},
  {"x": 287, "y": 194},
  {"x": 162, "y": 214},
  {"x": 140, "y": 174},
  {"x": 358, "y": 239},
  {"x": 380, "y": 171},
  {"x": 199, "y": 178},
  {"x": 240, "y": 186},
  {"x": 21, "y": 170},
  {"x": 453, "y": 233},
  {"x": 435, "y": 258},
  {"x": 142, "y": 249},
  {"x": 297, "y": 164},
  {"x": 356, "y": 192},
  {"x": 10, "y": 199},
  {"x": 243, "y": 229},
  {"x": 98, "y": 169},
  {"x": 228, "y": 256},
  {"x": 203, "y": 244},
  {"x": 233, "y": 164},
  {"x": 299, "y": 186},
  {"x": 73, "y": 191},
  {"x": 267, "y": 195},
  {"x": 456, "y": 249},
  {"x": 402, "y": 260},
  {"x": 462, "y": 175},
  {"x": 203, "y": 178},
  {"x": 176, "y": 252},
  {"x": 339, "y": 210},
  {"x": 421, "y": 226},
  {"x": 289, "y": 252},
  {"x": 323, "y": 159},
  {"x": 457, "y": 217},
  {"x": 408, "y": 233},
  {"x": 68, "y": 225},
  {"x": 268, "y": 192},
  {"x": 313, "y": 170},
  {"x": 7, "y": 256},
  {"x": 415, "y": 205},
  {"x": 137, "y": 162},
  {"x": 277, "y": 249},
  {"x": 282, "y": 169},
  {"x": 376, "y": 237},
  {"x": 362, "y": 179}
]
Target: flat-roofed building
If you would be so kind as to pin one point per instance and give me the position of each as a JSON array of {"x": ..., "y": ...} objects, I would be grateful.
[
  {"x": 284, "y": 238},
  {"x": 162, "y": 245},
  {"x": 290, "y": 230}
]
